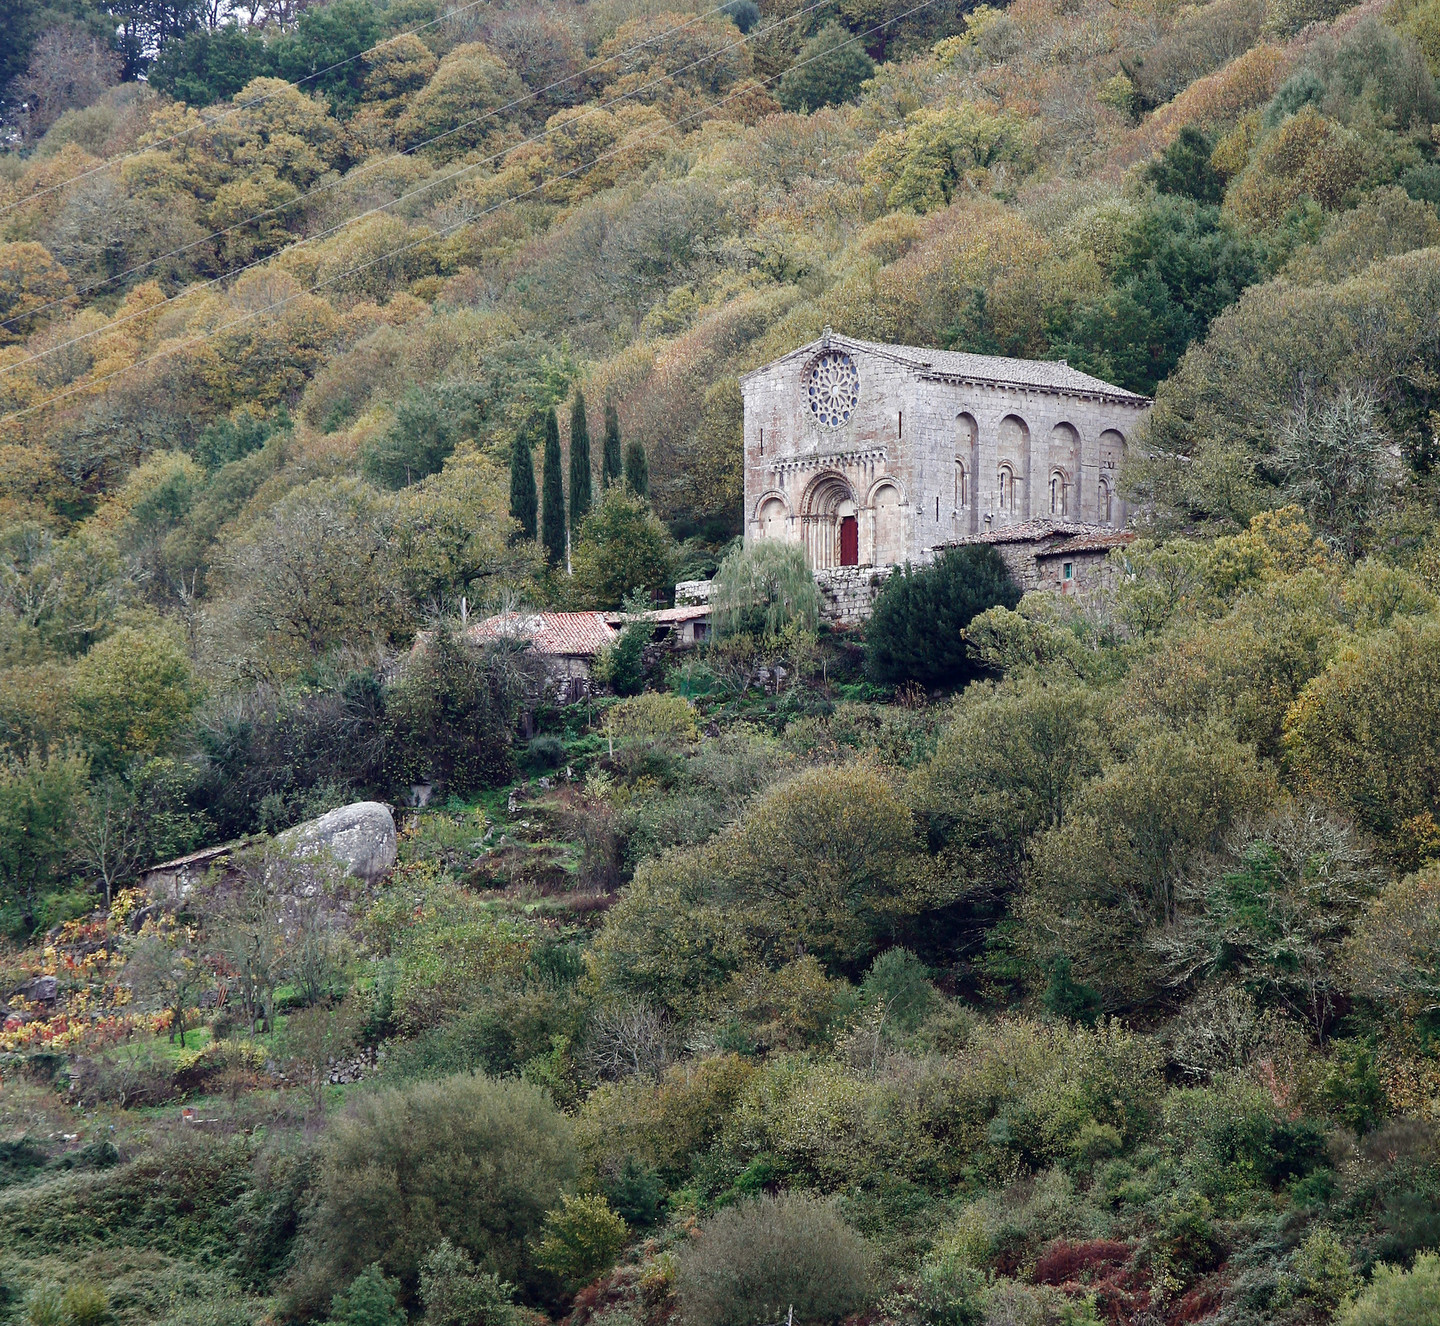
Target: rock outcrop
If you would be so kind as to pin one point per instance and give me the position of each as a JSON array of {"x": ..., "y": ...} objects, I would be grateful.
[{"x": 361, "y": 837}]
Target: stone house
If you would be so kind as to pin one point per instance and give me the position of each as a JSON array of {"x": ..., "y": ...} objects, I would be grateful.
[
  {"x": 567, "y": 642},
  {"x": 1066, "y": 556},
  {"x": 870, "y": 455}
]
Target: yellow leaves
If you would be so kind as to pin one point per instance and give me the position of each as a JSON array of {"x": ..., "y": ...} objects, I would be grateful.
[
  {"x": 942, "y": 152},
  {"x": 131, "y": 693},
  {"x": 30, "y": 280},
  {"x": 1366, "y": 732},
  {"x": 456, "y": 105},
  {"x": 1307, "y": 156},
  {"x": 396, "y": 69}
]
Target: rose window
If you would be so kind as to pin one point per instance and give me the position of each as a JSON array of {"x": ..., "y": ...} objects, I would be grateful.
[{"x": 833, "y": 388}]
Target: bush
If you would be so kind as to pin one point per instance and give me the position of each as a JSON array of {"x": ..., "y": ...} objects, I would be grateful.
[
  {"x": 470, "y": 1158},
  {"x": 754, "y": 1261},
  {"x": 917, "y": 631},
  {"x": 449, "y": 715},
  {"x": 1398, "y": 1298},
  {"x": 656, "y": 716},
  {"x": 372, "y": 1299},
  {"x": 582, "y": 1239},
  {"x": 456, "y": 1293}
]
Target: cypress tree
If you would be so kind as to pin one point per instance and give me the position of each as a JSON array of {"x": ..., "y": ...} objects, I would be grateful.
[
  {"x": 552, "y": 499},
  {"x": 612, "y": 467},
  {"x": 579, "y": 461},
  {"x": 637, "y": 470},
  {"x": 522, "y": 485}
]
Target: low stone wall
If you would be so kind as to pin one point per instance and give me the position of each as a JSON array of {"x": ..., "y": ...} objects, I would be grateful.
[{"x": 848, "y": 593}]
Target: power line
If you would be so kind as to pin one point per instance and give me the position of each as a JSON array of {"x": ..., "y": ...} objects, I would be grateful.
[
  {"x": 405, "y": 248},
  {"x": 256, "y": 101},
  {"x": 383, "y": 161},
  {"x": 382, "y": 207}
]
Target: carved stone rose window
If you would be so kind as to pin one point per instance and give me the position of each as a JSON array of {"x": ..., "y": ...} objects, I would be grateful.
[{"x": 833, "y": 388}]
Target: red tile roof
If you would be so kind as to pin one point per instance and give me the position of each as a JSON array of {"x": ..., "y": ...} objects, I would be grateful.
[{"x": 571, "y": 634}]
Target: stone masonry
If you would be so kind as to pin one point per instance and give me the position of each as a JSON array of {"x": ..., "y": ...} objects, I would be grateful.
[{"x": 871, "y": 455}]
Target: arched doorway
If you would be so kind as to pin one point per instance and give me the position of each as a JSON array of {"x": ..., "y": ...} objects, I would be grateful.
[{"x": 829, "y": 525}]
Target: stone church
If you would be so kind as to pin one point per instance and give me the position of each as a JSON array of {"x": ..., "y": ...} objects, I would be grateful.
[{"x": 870, "y": 455}]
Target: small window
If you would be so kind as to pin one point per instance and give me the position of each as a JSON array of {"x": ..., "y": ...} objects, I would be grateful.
[
  {"x": 1068, "y": 570},
  {"x": 762, "y": 441},
  {"x": 962, "y": 492},
  {"x": 1007, "y": 488},
  {"x": 937, "y": 507}
]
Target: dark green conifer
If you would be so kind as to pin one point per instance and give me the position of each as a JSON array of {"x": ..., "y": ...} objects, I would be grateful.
[
  {"x": 522, "y": 485},
  {"x": 637, "y": 470},
  {"x": 579, "y": 461},
  {"x": 552, "y": 498},
  {"x": 612, "y": 466}
]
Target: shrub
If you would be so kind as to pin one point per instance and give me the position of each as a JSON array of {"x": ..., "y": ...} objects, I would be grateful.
[
  {"x": 654, "y": 715},
  {"x": 1398, "y": 1298},
  {"x": 470, "y": 1158},
  {"x": 372, "y": 1299},
  {"x": 754, "y": 1261},
  {"x": 916, "y": 632},
  {"x": 582, "y": 1239},
  {"x": 456, "y": 1293}
]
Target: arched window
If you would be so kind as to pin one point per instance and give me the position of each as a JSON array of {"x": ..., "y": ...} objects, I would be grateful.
[
  {"x": 962, "y": 487},
  {"x": 1007, "y": 488},
  {"x": 1057, "y": 493},
  {"x": 1107, "y": 509}
]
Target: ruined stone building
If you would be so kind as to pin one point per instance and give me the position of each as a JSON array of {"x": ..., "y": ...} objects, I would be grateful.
[{"x": 871, "y": 455}]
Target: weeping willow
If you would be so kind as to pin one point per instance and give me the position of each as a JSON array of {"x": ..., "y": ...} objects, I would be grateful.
[{"x": 762, "y": 589}]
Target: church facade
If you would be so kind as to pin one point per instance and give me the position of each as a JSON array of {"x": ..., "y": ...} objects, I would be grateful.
[{"x": 872, "y": 455}]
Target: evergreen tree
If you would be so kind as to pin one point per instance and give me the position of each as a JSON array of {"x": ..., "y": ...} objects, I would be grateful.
[
  {"x": 637, "y": 470},
  {"x": 579, "y": 461},
  {"x": 522, "y": 485},
  {"x": 612, "y": 467},
  {"x": 916, "y": 632},
  {"x": 552, "y": 500}
]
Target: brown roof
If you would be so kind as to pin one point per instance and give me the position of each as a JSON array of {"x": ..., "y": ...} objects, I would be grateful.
[
  {"x": 1032, "y": 531},
  {"x": 1117, "y": 538},
  {"x": 570, "y": 634},
  {"x": 689, "y": 612}
]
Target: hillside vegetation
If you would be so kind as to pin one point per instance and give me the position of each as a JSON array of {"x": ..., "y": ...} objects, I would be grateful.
[{"x": 1083, "y": 969}]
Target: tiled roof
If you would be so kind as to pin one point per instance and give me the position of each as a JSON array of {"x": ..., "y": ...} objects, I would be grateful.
[
  {"x": 1115, "y": 538},
  {"x": 566, "y": 633},
  {"x": 1059, "y": 536},
  {"x": 688, "y": 612},
  {"x": 1030, "y": 531},
  {"x": 1045, "y": 374}
]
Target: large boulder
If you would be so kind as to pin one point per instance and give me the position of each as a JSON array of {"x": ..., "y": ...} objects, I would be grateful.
[{"x": 361, "y": 837}]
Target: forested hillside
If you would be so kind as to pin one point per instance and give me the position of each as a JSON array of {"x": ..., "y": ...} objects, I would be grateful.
[{"x": 1080, "y": 967}]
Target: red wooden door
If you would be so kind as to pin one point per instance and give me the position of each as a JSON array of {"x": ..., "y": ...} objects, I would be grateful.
[{"x": 849, "y": 541}]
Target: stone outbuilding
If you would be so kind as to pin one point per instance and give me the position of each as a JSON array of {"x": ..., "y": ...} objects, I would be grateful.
[
  {"x": 567, "y": 642},
  {"x": 1065, "y": 556},
  {"x": 870, "y": 455}
]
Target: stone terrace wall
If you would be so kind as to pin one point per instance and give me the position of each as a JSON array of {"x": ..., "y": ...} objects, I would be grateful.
[{"x": 848, "y": 593}]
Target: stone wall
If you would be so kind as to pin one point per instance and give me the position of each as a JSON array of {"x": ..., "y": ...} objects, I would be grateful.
[
  {"x": 848, "y": 593},
  {"x": 926, "y": 458}
]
